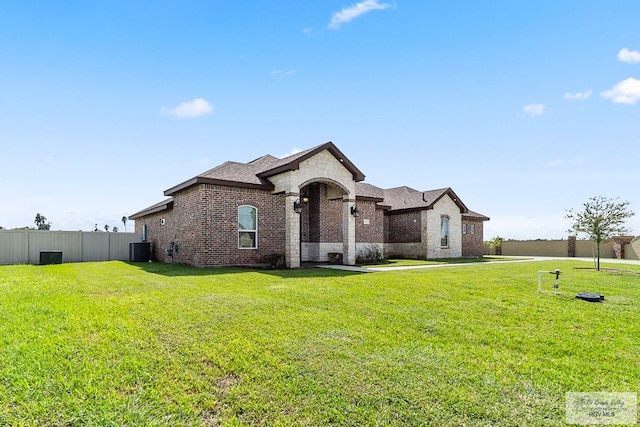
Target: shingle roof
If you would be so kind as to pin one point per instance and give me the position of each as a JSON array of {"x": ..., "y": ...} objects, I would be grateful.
[
  {"x": 158, "y": 207},
  {"x": 367, "y": 191},
  {"x": 237, "y": 172},
  {"x": 255, "y": 174},
  {"x": 400, "y": 198},
  {"x": 476, "y": 215}
]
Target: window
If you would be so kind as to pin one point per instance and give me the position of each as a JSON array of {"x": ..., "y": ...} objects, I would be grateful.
[
  {"x": 473, "y": 229},
  {"x": 247, "y": 227},
  {"x": 464, "y": 228},
  {"x": 444, "y": 231}
]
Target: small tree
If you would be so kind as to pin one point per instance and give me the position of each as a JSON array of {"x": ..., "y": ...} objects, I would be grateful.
[
  {"x": 106, "y": 228},
  {"x": 41, "y": 222},
  {"x": 114, "y": 229},
  {"x": 601, "y": 219},
  {"x": 495, "y": 244}
]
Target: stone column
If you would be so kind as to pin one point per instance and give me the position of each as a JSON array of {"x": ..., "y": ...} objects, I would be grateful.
[
  {"x": 618, "y": 245},
  {"x": 292, "y": 232},
  {"x": 348, "y": 232}
]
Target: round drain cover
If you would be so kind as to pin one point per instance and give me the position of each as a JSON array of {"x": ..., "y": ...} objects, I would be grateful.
[{"x": 590, "y": 296}]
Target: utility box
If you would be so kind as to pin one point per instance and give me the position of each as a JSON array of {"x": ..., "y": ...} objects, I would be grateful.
[
  {"x": 50, "y": 257},
  {"x": 139, "y": 251}
]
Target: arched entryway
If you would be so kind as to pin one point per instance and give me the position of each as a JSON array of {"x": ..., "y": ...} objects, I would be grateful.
[{"x": 322, "y": 230}]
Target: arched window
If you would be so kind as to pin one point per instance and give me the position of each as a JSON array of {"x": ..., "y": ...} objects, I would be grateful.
[
  {"x": 247, "y": 227},
  {"x": 444, "y": 231}
]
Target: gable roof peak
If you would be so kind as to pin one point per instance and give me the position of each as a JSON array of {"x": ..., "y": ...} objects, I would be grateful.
[
  {"x": 263, "y": 159},
  {"x": 403, "y": 188},
  {"x": 293, "y": 161}
]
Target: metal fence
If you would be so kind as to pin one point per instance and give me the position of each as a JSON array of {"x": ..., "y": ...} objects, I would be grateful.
[{"x": 24, "y": 246}]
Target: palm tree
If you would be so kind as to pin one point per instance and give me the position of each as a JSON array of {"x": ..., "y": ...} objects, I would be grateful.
[{"x": 124, "y": 221}]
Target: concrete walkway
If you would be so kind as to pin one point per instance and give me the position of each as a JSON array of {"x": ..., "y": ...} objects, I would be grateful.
[{"x": 603, "y": 262}]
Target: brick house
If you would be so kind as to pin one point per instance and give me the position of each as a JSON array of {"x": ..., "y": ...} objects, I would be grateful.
[{"x": 304, "y": 207}]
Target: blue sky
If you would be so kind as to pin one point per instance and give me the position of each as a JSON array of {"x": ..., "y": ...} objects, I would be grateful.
[{"x": 524, "y": 108}]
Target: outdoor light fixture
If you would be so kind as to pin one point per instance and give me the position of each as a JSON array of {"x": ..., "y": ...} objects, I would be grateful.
[
  {"x": 354, "y": 211},
  {"x": 298, "y": 205}
]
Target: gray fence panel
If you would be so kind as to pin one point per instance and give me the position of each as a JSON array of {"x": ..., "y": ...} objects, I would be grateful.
[
  {"x": 95, "y": 247},
  {"x": 119, "y": 245},
  {"x": 24, "y": 246},
  {"x": 66, "y": 241},
  {"x": 13, "y": 247}
]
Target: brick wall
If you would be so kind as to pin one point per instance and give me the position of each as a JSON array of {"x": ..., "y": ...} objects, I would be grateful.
[
  {"x": 370, "y": 223},
  {"x": 404, "y": 227},
  {"x": 219, "y": 243},
  {"x": 158, "y": 235},
  {"x": 472, "y": 240},
  {"x": 204, "y": 225}
]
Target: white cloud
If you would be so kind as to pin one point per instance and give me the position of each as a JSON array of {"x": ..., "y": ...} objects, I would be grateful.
[
  {"x": 578, "y": 96},
  {"x": 625, "y": 92},
  {"x": 534, "y": 109},
  {"x": 556, "y": 163},
  {"x": 197, "y": 107},
  {"x": 626, "y": 55},
  {"x": 350, "y": 13},
  {"x": 282, "y": 73}
]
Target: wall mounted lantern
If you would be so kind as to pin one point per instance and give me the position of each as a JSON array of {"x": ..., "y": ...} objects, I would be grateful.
[
  {"x": 354, "y": 211},
  {"x": 298, "y": 205}
]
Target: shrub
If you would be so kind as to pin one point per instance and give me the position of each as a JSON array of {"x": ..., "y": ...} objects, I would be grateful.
[
  {"x": 275, "y": 261},
  {"x": 372, "y": 254}
]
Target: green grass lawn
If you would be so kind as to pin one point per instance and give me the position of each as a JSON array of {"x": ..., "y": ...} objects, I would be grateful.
[{"x": 153, "y": 344}]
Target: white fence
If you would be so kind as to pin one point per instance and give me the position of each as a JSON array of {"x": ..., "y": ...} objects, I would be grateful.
[{"x": 24, "y": 246}]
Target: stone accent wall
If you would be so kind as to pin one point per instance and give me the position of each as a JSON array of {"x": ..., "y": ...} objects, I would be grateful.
[
  {"x": 416, "y": 234},
  {"x": 619, "y": 243},
  {"x": 431, "y": 233},
  {"x": 472, "y": 243},
  {"x": 405, "y": 227},
  {"x": 321, "y": 168},
  {"x": 406, "y": 250}
]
